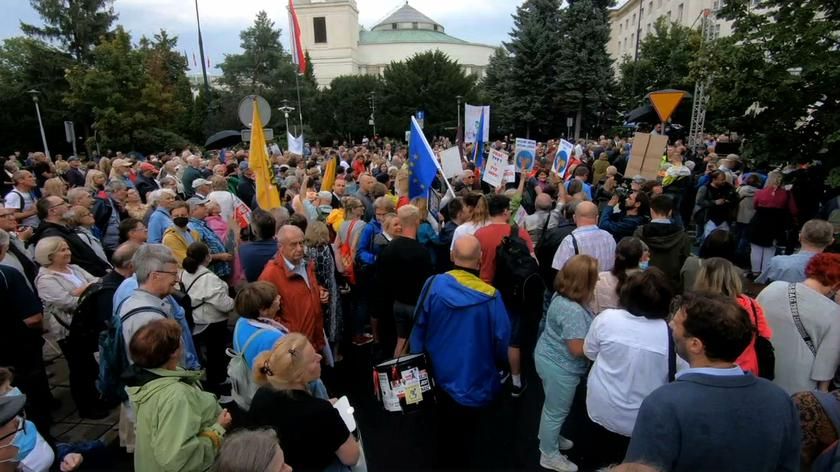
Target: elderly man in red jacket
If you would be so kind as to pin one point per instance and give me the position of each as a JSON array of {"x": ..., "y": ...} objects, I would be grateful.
[{"x": 301, "y": 296}]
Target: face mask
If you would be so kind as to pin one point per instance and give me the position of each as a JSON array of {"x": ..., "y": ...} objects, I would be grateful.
[
  {"x": 181, "y": 221},
  {"x": 14, "y": 392},
  {"x": 643, "y": 265}
]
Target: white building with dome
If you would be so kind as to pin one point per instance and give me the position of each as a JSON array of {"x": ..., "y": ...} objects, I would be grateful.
[{"x": 338, "y": 45}]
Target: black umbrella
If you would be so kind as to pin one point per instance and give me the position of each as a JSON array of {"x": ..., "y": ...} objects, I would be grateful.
[
  {"x": 223, "y": 139},
  {"x": 643, "y": 114}
]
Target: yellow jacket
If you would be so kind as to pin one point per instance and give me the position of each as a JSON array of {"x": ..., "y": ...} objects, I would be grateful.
[{"x": 174, "y": 239}]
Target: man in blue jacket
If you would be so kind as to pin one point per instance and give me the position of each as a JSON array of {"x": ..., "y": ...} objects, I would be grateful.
[
  {"x": 461, "y": 324},
  {"x": 632, "y": 216},
  {"x": 715, "y": 416}
]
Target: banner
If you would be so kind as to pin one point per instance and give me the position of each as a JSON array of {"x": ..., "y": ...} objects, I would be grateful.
[
  {"x": 450, "y": 160},
  {"x": 526, "y": 153},
  {"x": 562, "y": 158},
  {"x": 267, "y": 195},
  {"x": 472, "y": 119},
  {"x": 295, "y": 145},
  {"x": 510, "y": 173},
  {"x": 493, "y": 174}
]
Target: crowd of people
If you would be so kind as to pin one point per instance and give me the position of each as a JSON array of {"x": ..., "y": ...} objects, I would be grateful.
[{"x": 695, "y": 311}]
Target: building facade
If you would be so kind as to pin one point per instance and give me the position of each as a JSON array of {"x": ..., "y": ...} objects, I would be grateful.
[
  {"x": 338, "y": 45},
  {"x": 634, "y": 19}
]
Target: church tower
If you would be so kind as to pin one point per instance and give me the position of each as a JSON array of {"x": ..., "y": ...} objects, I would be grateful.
[{"x": 330, "y": 34}]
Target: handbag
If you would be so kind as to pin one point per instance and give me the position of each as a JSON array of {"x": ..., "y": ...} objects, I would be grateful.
[
  {"x": 764, "y": 351},
  {"x": 794, "y": 311},
  {"x": 405, "y": 384}
]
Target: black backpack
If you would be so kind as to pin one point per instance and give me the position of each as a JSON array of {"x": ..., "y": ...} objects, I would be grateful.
[
  {"x": 547, "y": 247},
  {"x": 518, "y": 274},
  {"x": 86, "y": 323}
]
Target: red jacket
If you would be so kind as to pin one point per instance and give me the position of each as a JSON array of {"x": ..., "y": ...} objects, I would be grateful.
[{"x": 300, "y": 306}]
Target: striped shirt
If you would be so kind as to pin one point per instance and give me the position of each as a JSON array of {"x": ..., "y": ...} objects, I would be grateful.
[{"x": 591, "y": 241}]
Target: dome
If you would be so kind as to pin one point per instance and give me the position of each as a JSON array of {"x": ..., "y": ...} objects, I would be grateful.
[{"x": 407, "y": 18}]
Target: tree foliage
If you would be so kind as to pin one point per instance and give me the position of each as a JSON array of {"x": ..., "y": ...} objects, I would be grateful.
[
  {"x": 777, "y": 78},
  {"x": 664, "y": 62},
  {"x": 428, "y": 82},
  {"x": 343, "y": 109},
  {"x": 495, "y": 90},
  {"x": 77, "y": 25}
]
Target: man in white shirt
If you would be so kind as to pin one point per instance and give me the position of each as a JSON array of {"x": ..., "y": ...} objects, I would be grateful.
[
  {"x": 587, "y": 239},
  {"x": 22, "y": 199}
]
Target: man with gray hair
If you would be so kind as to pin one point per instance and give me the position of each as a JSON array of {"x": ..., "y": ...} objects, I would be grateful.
[
  {"x": 109, "y": 212},
  {"x": 537, "y": 223},
  {"x": 815, "y": 236},
  {"x": 191, "y": 173},
  {"x": 80, "y": 196},
  {"x": 17, "y": 257}
]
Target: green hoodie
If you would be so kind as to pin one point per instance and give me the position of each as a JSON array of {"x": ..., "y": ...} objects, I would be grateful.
[{"x": 173, "y": 417}]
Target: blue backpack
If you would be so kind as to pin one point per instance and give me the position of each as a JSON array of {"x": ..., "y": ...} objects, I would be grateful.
[{"x": 113, "y": 355}]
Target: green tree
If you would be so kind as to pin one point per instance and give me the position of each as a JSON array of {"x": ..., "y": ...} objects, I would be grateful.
[
  {"x": 428, "y": 82},
  {"x": 344, "y": 110},
  {"x": 584, "y": 81},
  {"x": 495, "y": 90},
  {"x": 664, "y": 62},
  {"x": 534, "y": 49},
  {"x": 777, "y": 78},
  {"x": 77, "y": 25},
  {"x": 167, "y": 88},
  {"x": 25, "y": 64}
]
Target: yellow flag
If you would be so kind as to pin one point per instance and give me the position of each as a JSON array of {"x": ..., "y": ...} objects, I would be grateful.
[
  {"x": 267, "y": 195},
  {"x": 329, "y": 176}
]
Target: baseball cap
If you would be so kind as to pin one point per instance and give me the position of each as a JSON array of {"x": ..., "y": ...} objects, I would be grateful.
[
  {"x": 199, "y": 182},
  {"x": 196, "y": 201},
  {"x": 72, "y": 158},
  {"x": 121, "y": 163},
  {"x": 11, "y": 406},
  {"x": 146, "y": 166}
]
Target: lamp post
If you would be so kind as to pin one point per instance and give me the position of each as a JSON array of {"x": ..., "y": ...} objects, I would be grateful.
[
  {"x": 34, "y": 94},
  {"x": 286, "y": 109},
  {"x": 459, "y": 98},
  {"x": 372, "y": 102}
]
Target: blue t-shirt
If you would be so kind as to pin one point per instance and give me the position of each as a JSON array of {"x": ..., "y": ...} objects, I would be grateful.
[
  {"x": 565, "y": 320},
  {"x": 263, "y": 342},
  {"x": 254, "y": 256}
]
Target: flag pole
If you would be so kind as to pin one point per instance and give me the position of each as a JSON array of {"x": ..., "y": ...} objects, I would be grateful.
[
  {"x": 300, "y": 108},
  {"x": 201, "y": 52}
]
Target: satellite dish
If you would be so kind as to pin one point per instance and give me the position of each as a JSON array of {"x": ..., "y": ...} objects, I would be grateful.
[{"x": 246, "y": 110}]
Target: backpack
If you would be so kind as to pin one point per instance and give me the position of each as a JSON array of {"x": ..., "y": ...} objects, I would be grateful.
[
  {"x": 113, "y": 355},
  {"x": 518, "y": 274},
  {"x": 346, "y": 255},
  {"x": 22, "y": 202},
  {"x": 183, "y": 299},
  {"x": 85, "y": 323},
  {"x": 547, "y": 247},
  {"x": 242, "y": 383}
]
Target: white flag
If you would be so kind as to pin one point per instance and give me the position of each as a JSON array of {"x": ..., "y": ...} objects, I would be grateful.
[
  {"x": 295, "y": 145},
  {"x": 472, "y": 117}
]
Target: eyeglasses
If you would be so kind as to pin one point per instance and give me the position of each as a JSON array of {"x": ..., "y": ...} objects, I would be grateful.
[
  {"x": 57, "y": 205},
  {"x": 174, "y": 274}
]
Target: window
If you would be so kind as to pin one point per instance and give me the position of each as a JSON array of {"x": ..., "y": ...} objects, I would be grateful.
[
  {"x": 717, "y": 31},
  {"x": 319, "y": 27},
  {"x": 669, "y": 15},
  {"x": 641, "y": 13},
  {"x": 647, "y": 28},
  {"x": 680, "y": 13},
  {"x": 650, "y": 7},
  {"x": 620, "y": 28},
  {"x": 634, "y": 18},
  {"x": 393, "y": 26},
  {"x": 414, "y": 25}
]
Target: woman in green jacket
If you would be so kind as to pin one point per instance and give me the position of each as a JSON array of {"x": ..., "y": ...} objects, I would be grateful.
[{"x": 179, "y": 426}]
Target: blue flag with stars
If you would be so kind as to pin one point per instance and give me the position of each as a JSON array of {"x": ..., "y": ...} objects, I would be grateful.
[
  {"x": 478, "y": 156},
  {"x": 421, "y": 163}
]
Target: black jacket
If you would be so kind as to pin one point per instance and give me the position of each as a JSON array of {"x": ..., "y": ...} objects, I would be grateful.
[
  {"x": 145, "y": 185},
  {"x": 74, "y": 178},
  {"x": 81, "y": 254},
  {"x": 102, "y": 210}
]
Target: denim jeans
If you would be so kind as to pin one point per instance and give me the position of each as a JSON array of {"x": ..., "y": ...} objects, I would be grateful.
[{"x": 559, "y": 386}]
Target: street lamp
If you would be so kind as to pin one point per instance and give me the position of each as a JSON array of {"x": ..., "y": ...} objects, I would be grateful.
[
  {"x": 372, "y": 102},
  {"x": 286, "y": 109},
  {"x": 34, "y": 94},
  {"x": 459, "y": 98}
]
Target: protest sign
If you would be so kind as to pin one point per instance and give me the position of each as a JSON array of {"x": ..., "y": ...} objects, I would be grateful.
[
  {"x": 525, "y": 152},
  {"x": 472, "y": 120},
  {"x": 495, "y": 170},
  {"x": 562, "y": 158},
  {"x": 450, "y": 159},
  {"x": 646, "y": 155},
  {"x": 510, "y": 173}
]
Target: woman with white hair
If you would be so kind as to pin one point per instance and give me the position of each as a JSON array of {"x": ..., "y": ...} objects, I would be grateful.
[
  {"x": 774, "y": 209},
  {"x": 60, "y": 285}
]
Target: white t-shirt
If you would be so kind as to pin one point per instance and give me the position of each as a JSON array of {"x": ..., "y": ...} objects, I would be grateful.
[
  {"x": 465, "y": 229},
  {"x": 631, "y": 361},
  {"x": 13, "y": 201}
]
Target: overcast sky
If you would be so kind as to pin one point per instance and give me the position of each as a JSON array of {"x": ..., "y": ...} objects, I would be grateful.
[{"x": 484, "y": 21}]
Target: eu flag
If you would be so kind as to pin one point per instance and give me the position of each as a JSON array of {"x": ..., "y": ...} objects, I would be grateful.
[{"x": 421, "y": 163}]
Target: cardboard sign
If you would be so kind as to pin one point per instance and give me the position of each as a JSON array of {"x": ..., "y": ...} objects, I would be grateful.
[
  {"x": 646, "y": 155},
  {"x": 526, "y": 153},
  {"x": 562, "y": 158},
  {"x": 510, "y": 173},
  {"x": 450, "y": 159},
  {"x": 494, "y": 172}
]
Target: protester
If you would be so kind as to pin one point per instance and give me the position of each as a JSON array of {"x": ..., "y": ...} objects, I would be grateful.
[
  {"x": 16, "y": 256},
  {"x": 179, "y": 236},
  {"x": 300, "y": 294},
  {"x": 688, "y": 424},
  {"x": 559, "y": 356},
  {"x": 668, "y": 242},
  {"x": 630, "y": 257},
  {"x": 624, "y": 223},
  {"x": 22, "y": 199},
  {"x": 133, "y": 205},
  {"x": 715, "y": 203},
  {"x": 133, "y": 230},
  {"x": 313, "y": 432},
  {"x": 631, "y": 348},
  {"x": 815, "y": 236},
  {"x": 479, "y": 216},
  {"x": 462, "y": 325},
  {"x": 179, "y": 426},
  {"x": 80, "y": 196},
  {"x": 806, "y": 326},
  {"x": 211, "y": 310},
  {"x": 775, "y": 209},
  {"x": 146, "y": 182},
  {"x": 320, "y": 252},
  {"x": 220, "y": 258},
  {"x": 252, "y": 451},
  {"x": 160, "y": 219},
  {"x": 81, "y": 220},
  {"x": 587, "y": 239}
]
